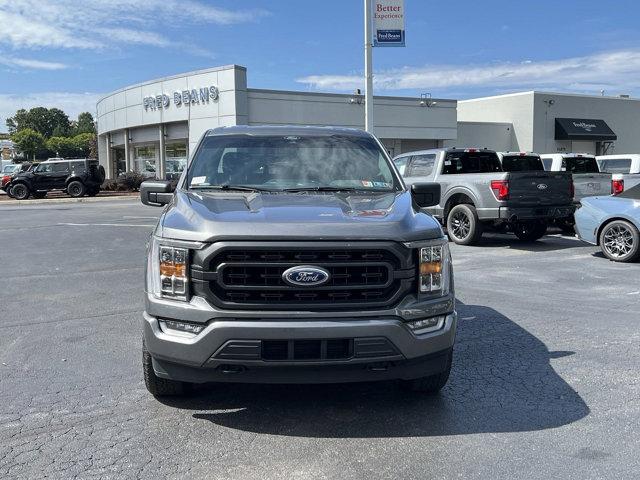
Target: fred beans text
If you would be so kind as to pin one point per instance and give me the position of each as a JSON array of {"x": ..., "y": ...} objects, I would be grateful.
[{"x": 183, "y": 97}]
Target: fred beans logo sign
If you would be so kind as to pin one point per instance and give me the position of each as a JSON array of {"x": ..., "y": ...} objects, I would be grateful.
[
  {"x": 388, "y": 23},
  {"x": 195, "y": 96},
  {"x": 587, "y": 127}
]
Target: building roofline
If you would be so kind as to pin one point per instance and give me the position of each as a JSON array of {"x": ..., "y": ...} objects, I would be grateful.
[
  {"x": 517, "y": 94},
  {"x": 341, "y": 95},
  {"x": 542, "y": 92},
  {"x": 173, "y": 77}
]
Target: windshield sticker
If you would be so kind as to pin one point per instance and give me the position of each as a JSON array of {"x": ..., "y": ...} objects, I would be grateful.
[
  {"x": 198, "y": 180},
  {"x": 370, "y": 184}
]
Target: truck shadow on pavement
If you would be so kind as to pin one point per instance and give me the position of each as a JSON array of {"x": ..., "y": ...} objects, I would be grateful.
[
  {"x": 548, "y": 243},
  {"x": 502, "y": 381}
]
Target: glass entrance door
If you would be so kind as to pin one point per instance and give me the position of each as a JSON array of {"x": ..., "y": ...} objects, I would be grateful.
[
  {"x": 145, "y": 160},
  {"x": 175, "y": 160}
]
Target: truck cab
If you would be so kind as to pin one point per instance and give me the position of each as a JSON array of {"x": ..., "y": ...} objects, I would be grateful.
[{"x": 295, "y": 255}]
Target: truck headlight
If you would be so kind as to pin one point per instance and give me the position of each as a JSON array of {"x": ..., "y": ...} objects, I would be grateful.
[
  {"x": 435, "y": 269},
  {"x": 173, "y": 271}
]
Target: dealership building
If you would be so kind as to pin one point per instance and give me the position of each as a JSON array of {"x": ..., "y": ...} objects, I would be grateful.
[{"x": 151, "y": 127}]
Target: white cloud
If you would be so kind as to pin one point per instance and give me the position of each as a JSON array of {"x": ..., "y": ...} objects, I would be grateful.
[
  {"x": 94, "y": 24},
  {"x": 612, "y": 71},
  {"x": 31, "y": 64},
  {"x": 71, "y": 103}
]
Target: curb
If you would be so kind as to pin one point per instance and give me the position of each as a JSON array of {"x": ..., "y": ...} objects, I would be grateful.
[{"x": 46, "y": 201}]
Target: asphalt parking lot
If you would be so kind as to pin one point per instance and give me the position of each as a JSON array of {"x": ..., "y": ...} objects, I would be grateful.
[{"x": 545, "y": 380}]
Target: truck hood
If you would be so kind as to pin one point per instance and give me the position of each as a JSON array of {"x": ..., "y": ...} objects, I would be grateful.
[{"x": 213, "y": 216}]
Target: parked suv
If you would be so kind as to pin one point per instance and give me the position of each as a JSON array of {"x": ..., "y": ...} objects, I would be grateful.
[
  {"x": 76, "y": 177},
  {"x": 10, "y": 171},
  {"x": 478, "y": 194},
  {"x": 295, "y": 255}
]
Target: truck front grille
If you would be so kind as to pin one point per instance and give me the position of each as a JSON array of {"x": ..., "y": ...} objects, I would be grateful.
[{"x": 239, "y": 277}]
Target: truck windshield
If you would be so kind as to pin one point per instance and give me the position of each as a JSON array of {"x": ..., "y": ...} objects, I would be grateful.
[
  {"x": 471, "y": 162},
  {"x": 277, "y": 163},
  {"x": 580, "y": 165},
  {"x": 521, "y": 163}
]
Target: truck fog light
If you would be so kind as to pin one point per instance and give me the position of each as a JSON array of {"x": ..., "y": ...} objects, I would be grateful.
[
  {"x": 425, "y": 325},
  {"x": 182, "y": 329}
]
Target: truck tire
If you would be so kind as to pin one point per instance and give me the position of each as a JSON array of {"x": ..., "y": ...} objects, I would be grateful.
[
  {"x": 530, "y": 231},
  {"x": 159, "y": 387},
  {"x": 101, "y": 174},
  {"x": 463, "y": 226},
  {"x": 432, "y": 384},
  {"x": 620, "y": 241},
  {"x": 76, "y": 189},
  {"x": 20, "y": 191}
]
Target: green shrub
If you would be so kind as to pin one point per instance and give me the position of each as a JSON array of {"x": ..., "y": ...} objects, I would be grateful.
[{"x": 131, "y": 180}]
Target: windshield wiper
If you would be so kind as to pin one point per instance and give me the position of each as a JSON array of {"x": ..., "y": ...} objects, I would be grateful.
[
  {"x": 333, "y": 189},
  {"x": 230, "y": 188}
]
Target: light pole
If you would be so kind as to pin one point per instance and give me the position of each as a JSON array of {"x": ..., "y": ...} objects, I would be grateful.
[{"x": 368, "y": 69}]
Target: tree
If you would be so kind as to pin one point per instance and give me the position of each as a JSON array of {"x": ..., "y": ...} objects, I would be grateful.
[
  {"x": 85, "y": 124},
  {"x": 28, "y": 142},
  {"x": 46, "y": 121},
  {"x": 83, "y": 143},
  {"x": 62, "y": 146}
]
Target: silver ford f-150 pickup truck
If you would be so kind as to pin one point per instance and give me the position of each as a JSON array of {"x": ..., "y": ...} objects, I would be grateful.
[
  {"x": 478, "y": 193},
  {"x": 289, "y": 254}
]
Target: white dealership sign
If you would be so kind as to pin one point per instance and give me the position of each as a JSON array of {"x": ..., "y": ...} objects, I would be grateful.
[{"x": 388, "y": 23}]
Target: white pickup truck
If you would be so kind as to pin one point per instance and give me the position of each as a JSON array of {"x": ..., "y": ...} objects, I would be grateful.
[
  {"x": 588, "y": 180},
  {"x": 625, "y": 170}
]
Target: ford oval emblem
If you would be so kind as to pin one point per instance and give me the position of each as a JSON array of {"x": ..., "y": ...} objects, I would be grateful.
[
  {"x": 306, "y": 276},
  {"x": 542, "y": 186}
]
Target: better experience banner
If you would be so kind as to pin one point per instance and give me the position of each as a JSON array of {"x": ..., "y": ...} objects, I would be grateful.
[{"x": 388, "y": 23}]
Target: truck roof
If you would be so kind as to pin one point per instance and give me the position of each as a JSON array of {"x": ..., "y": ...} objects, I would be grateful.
[
  {"x": 286, "y": 130},
  {"x": 567, "y": 155},
  {"x": 445, "y": 149}
]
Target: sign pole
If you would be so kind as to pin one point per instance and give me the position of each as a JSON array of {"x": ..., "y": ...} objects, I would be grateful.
[{"x": 368, "y": 68}]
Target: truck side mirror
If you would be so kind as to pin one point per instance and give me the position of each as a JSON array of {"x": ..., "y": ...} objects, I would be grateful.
[
  {"x": 156, "y": 193},
  {"x": 426, "y": 194}
]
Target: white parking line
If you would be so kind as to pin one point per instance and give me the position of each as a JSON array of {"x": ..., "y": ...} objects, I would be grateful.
[{"x": 107, "y": 224}]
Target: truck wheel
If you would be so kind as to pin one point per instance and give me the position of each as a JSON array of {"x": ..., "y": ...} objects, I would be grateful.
[
  {"x": 432, "y": 384},
  {"x": 159, "y": 387},
  {"x": 463, "y": 225},
  {"x": 530, "y": 231},
  {"x": 76, "y": 189},
  {"x": 20, "y": 191},
  {"x": 620, "y": 241}
]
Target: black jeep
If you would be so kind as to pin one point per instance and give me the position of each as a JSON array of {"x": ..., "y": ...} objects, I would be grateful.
[{"x": 76, "y": 177}]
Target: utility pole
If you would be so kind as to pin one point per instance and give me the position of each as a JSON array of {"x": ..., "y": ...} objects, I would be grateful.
[{"x": 368, "y": 68}]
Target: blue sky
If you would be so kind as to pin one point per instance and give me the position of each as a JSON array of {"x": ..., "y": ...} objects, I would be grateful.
[{"x": 67, "y": 53}]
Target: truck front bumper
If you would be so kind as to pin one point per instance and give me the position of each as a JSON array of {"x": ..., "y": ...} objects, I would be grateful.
[
  {"x": 536, "y": 213},
  {"x": 383, "y": 349}
]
